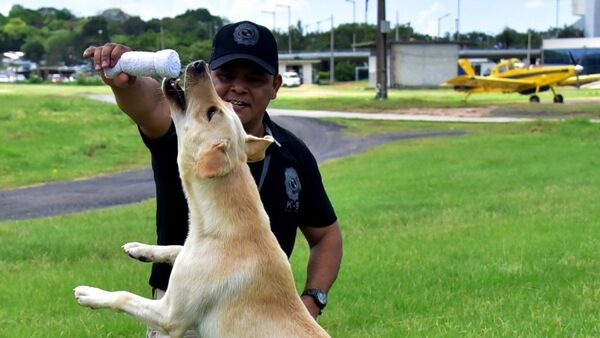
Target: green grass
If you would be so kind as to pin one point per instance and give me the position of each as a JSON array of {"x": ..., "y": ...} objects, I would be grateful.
[
  {"x": 52, "y": 132},
  {"x": 356, "y": 97},
  {"x": 49, "y": 136},
  {"x": 490, "y": 234}
]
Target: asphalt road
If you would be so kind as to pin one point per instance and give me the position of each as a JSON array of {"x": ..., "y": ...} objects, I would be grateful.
[{"x": 325, "y": 140}]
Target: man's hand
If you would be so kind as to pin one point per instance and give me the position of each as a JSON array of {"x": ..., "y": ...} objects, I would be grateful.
[
  {"x": 312, "y": 307},
  {"x": 106, "y": 56}
]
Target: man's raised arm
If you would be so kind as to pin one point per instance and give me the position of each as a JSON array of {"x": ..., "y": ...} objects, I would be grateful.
[{"x": 141, "y": 98}]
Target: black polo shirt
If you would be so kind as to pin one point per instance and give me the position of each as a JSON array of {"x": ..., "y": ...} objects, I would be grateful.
[{"x": 291, "y": 191}]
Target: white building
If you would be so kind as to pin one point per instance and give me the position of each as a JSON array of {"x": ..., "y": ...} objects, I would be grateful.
[{"x": 589, "y": 10}]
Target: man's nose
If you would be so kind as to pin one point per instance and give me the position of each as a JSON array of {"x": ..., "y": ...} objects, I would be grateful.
[{"x": 239, "y": 85}]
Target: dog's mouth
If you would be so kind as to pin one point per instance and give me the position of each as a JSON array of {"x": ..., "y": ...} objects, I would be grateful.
[{"x": 175, "y": 93}]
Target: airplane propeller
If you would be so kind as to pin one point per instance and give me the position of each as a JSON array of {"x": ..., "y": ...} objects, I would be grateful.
[{"x": 578, "y": 69}]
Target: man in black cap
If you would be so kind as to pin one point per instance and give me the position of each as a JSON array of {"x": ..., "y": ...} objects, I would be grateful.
[{"x": 244, "y": 71}]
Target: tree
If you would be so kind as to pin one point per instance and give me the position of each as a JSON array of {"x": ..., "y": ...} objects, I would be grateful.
[
  {"x": 16, "y": 29},
  {"x": 29, "y": 16},
  {"x": 61, "y": 49},
  {"x": 34, "y": 50},
  {"x": 344, "y": 71},
  {"x": 508, "y": 38}
]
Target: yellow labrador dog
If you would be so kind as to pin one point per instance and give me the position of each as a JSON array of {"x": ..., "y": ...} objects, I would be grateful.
[{"x": 230, "y": 278}]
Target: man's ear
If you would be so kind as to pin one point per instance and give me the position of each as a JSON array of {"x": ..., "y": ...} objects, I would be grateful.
[
  {"x": 256, "y": 147},
  {"x": 214, "y": 162},
  {"x": 277, "y": 82}
]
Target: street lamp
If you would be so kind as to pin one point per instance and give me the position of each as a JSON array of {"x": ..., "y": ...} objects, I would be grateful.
[
  {"x": 289, "y": 26},
  {"x": 440, "y": 21},
  {"x": 353, "y": 23},
  {"x": 272, "y": 13},
  {"x": 458, "y": 23}
]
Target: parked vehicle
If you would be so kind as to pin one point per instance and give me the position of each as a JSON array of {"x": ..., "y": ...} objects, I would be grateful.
[{"x": 290, "y": 79}]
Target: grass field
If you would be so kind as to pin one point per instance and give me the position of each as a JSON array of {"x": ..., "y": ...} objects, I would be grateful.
[{"x": 491, "y": 234}]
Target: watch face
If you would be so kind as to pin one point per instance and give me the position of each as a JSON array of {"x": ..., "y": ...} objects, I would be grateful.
[{"x": 322, "y": 297}]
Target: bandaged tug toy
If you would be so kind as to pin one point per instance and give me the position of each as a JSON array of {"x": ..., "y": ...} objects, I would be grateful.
[{"x": 164, "y": 63}]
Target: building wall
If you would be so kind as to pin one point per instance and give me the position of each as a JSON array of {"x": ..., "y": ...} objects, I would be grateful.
[
  {"x": 585, "y": 51},
  {"x": 590, "y": 12},
  {"x": 422, "y": 65}
]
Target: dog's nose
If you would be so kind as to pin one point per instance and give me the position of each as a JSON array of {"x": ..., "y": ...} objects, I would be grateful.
[{"x": 199, "y": 66}]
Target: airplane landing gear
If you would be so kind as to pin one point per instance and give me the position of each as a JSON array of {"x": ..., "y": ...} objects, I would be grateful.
[
  {"x": 558, "y": 99},
  {"x": 534, "y": 99}
]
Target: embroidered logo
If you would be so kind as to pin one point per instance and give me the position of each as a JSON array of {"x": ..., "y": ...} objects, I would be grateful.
[
  {"x": 246, "y": 34},
  {"x": 292, "y": 189},
  {"x": 292, "y": 184}
]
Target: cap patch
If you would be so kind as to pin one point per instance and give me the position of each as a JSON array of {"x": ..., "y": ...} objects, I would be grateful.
[{"x": 246, "y": 34}]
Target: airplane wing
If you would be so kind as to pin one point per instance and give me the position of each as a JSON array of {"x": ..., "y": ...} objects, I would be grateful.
[
  {"x": 583, "y": 79},
  {"x": 484, "y": 84}
]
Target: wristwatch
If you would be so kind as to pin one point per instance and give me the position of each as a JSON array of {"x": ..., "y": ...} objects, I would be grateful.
[{"x": 318, "y": 295}]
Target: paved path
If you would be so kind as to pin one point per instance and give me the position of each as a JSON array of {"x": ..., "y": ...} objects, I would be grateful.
[
  {"x": 325, "y": 140},
  {"x": 368, "y": 116}
]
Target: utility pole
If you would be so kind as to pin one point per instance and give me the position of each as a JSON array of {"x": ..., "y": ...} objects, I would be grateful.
[
  {"x": 353, "y": 24},
  {"x": 331, "y": 57},
  {"x": 397, "y": 27},
  {"x": 458, "y": 23},
  {"x": 383, "y": 27},
  {"x": 557, "y": 11},
  {"x": 366, "y": 9},
  {"x": 289, "y": 26},
  {"x": 440, "y": 23}
]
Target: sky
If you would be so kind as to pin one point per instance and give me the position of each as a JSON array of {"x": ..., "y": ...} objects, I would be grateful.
[{"x": 425, "y": 16}]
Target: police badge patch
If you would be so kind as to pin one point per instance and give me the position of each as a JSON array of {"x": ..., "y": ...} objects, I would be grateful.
[
  {"x": 292, "y": 188},
  {"x": 246, "y": 34}
]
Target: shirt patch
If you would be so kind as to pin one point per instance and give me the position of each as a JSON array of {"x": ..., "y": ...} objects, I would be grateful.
[{"x": 292, "y": 189}]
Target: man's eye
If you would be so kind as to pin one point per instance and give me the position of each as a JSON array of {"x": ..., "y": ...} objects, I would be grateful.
[
  {"x": 225, "y": 77},
  {"x": 256, "y": 79}
]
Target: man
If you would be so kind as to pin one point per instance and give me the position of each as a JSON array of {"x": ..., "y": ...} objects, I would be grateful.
[{"x": 243, "y": 65}]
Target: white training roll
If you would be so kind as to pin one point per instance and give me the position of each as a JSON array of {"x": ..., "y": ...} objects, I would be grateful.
[{"x": 164, "y": 63}]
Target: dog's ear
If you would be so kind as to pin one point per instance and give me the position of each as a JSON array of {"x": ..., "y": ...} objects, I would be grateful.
[
  {"x": 214, "y": 162},
  {"x": 257, "y": 146}
]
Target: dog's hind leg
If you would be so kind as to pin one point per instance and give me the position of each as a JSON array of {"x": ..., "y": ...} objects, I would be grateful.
[
  {"x": 154, "y": 313},
  {"x": 152, "y": 253}
]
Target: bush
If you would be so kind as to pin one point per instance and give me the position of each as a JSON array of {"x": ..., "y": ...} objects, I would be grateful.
[
  {"x": 34, "y": 79},
  {"x": 86, "y": 80},
  {"x": 344, "y": 71}
]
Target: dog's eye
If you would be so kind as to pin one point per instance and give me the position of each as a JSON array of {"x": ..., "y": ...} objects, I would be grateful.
[{"x": 210, "y": 112}]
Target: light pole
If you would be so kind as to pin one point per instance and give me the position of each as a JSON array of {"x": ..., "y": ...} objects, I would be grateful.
[
  {"x": 458, "y": 22},
  {"x": 331, "y": 60},
  {"x": 289, "y": 26},
  {"x": 557, "y": 18},
  {"x": 331, "y": 49},
  {"x": 272, "y": 13},
  {"x": 440, "y": 21},
  {"x": 353, "y": 23}
]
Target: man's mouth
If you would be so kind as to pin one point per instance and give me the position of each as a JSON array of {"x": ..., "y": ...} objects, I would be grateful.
[{"x": 239, "y": 103}]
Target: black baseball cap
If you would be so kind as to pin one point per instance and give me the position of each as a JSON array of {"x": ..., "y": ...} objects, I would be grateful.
[{"x": 245, "y": 40}]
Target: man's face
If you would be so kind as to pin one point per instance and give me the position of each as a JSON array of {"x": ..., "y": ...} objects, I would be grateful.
[{"x": 247, "y": 87}]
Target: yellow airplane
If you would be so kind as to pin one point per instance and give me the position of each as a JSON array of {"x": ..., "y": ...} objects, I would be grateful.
[
  {"x": 510, "y": 76},
  {"x": 580, "y": 80}
]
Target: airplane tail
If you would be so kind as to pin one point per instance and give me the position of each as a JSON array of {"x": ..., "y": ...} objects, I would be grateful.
[{"x": 465, "y": 68}]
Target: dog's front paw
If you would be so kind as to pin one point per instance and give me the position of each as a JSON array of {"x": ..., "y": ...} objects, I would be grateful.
[
  {"x": 92, "y": 297},
  {"x": 138, "y": 251}
]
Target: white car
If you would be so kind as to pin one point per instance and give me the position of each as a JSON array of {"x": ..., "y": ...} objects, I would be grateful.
[{"x": 290, "y": 79}]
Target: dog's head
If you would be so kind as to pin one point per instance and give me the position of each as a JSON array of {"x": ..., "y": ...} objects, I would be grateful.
[{"x": 211, "y": 138}]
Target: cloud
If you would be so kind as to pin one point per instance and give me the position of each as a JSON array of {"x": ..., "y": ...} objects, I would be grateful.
[
  {"x": 533, "y": 4},
  {"x": 427, "y": 19}
]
